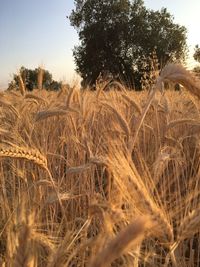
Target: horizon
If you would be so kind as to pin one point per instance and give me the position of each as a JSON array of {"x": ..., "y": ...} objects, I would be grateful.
[{"x": 37, "y": 33}]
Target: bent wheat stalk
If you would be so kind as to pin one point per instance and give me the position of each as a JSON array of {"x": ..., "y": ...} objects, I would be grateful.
[
  {"x": 132, "y": 185},
  {"x": 131, "y": 235},
  {"x": 42, "y": 115},
  {"x": 175, "y": 123},
  {"x": 178, "y": 74}
]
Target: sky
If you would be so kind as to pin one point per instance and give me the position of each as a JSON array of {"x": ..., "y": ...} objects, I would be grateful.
[{"x": 37, "y": 32}]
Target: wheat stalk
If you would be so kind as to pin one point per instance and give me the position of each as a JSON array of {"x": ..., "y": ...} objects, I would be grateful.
[
  {"x": 22, "y": 257},
  {"x": 40, "y": 78},
  {"x": 21, "y": 85},
  {"x": 69, "y": 97}
]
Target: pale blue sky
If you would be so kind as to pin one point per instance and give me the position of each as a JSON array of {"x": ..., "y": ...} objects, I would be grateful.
[{"x": 34, "y": 32}]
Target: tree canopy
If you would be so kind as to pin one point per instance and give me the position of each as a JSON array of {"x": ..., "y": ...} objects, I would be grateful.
[
  {"x": 197, "y": 53},
  {"x": 30, "y": 79},
  {"x": 116, "y": 35}
]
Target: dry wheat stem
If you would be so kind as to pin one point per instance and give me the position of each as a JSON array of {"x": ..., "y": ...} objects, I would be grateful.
[
  {"x": 40, "y": 78},
  {"x": 22, "y": 256},
  {"x": 141, "y": 118},
  {"x": 21, "y": 85},
  {"x": 69, "y": 97}
]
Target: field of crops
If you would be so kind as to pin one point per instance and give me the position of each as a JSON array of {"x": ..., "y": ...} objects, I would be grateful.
[{"x": 104, "y": 178}]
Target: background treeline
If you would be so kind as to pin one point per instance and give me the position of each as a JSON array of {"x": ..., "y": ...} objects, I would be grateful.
[
  {"x": 32, "y": 79},
  {"x": 117, "y": 37},
  {"x": 119, "y": 40}
]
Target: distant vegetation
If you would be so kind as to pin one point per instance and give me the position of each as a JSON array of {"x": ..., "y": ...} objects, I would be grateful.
[
  {"x": 197, "y": 58},
  {"x": 118, "y": 36},
  {"x": 197, "y": 53},
  {"x": 32, "y": 79}
]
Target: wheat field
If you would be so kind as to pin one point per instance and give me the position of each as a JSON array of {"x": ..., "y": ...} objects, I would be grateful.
[{"x": 104, "y": 178}]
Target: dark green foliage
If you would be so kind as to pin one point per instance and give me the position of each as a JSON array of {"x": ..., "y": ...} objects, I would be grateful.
[
  {"x": 30, "y": 79},
  {"x": 197, "y": 53},
  {"x": 197, "y": 58},
  {"x": 197, "y": 71},
  {"x": 117, "y": 35}
]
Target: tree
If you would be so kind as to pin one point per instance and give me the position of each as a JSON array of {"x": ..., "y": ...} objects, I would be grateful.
[
  {"x": 197, "y": 53},
  {"x": 116, "y": 35},
  {"x": 30, "y": 79},
  {"x": 196, "y": 70},
  {"x": 196, "y": 56}
]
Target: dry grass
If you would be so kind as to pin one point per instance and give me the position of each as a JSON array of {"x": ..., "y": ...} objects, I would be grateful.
[{"x": 105, "y": 178}]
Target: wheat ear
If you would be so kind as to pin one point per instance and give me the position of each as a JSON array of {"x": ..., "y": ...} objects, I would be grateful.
[
  {"x": 100, "y": 89},
  {"x": 36, "y": 97},
  {"x": 122, "y": 122},
  {"x": 178, "y": 74},
  {"x": 133, "y": 103},
  {"x": 8, "y": 105},
  {"x": 175, "y": 123},
  {"x": 189, "y": 225},
  {"x": 42, "y": 115},
  {"x": 24, "y": 153}
]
